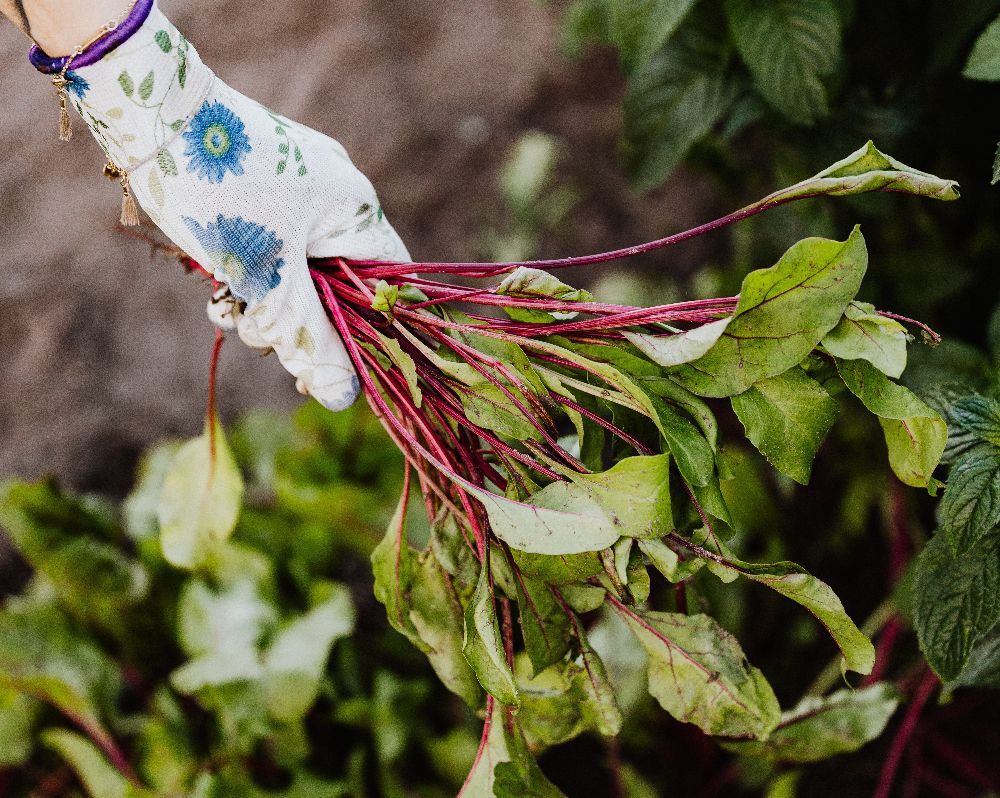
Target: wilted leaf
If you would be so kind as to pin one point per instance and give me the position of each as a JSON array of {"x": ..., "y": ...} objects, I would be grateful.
[
  {"x": 438, "y": 616},
  {"x": 866, "y": 170},
  {"x": 685, "y": 347},
  {"x": 699, "y": 674},
  {"x": 821, "y": 727},
  {"x": 914, "y": 434},
  {"x": 561, "y": 702},
  {"x": 393, "y": 565},
  {"x": 864, "y": 335},
  {"x": 786, "y": 418},
  {"x": 783, "y": 313},
  {"x": 200, "y": 500}
]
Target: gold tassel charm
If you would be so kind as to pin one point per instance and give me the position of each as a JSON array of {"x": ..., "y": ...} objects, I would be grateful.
[
  {"x": 60, "y": 81},
  {"x": 130, "y": 209}
]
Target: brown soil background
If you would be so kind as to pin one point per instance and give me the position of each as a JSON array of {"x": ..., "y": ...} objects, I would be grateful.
[{"x": 105, "y": 346}]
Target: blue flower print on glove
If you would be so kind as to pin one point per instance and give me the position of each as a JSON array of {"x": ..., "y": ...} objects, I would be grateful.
[
  {"x": 245, "y": 253},
  {"x": 77, "y": 86},
  {"x": 216, "y": 143}
]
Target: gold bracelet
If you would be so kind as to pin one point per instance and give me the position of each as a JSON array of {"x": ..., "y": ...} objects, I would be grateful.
[{"x": 60, "y": 81}]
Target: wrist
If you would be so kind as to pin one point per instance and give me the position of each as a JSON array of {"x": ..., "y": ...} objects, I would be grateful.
[
  {"x": 140, "y": 96},
  {"x": 91, "y": 40}
]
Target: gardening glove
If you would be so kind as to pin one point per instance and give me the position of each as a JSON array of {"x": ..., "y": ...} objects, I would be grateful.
[{"x": 246, "y": 192}]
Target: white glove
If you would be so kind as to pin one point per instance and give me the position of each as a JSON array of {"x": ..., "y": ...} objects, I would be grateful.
[{"x": 244, "y": 191}]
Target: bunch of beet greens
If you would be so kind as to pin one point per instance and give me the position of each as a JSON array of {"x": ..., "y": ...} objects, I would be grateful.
[{"x": 562, "y": 446}]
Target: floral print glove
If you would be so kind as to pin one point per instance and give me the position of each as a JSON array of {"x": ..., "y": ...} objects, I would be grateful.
[{"x": 244, "y": 191}]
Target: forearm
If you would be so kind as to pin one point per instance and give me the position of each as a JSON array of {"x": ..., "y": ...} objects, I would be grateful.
[{"x": 58, "y": 26}]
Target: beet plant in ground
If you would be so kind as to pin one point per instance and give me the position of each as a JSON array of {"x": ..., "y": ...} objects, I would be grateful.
[{"x": 568, "y": 460}]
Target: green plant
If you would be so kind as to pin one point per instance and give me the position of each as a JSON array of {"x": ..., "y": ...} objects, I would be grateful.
[{"x": 713, "y": 70}]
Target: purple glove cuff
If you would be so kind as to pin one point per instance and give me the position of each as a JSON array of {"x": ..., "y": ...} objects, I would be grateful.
[{"x": 50, "y": 66}]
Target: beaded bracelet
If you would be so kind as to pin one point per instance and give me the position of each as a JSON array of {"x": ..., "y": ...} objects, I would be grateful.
[{"x": 112, "y": 34}]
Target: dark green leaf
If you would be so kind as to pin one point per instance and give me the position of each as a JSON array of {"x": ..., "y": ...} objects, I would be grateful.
[
  {"x": 789, "y": 46},
  {"x": 979, "y": 416},
  {"x": 544, "y": 623},
  {"x": 984, "y": 60},
  {"x": 957, "y": 601},
  {"x": 982, "y": 668},
  {"x": 672, "y": 102},
  {"x": 638, "y": 28},
  {"x": 970, "y": 508},
  {"x": 786, "y": 418},
  {"x": 692, "y": 452}
]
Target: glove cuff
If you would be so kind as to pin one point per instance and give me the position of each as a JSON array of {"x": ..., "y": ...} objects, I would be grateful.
[
  {"x": 48, "y": 65},
  {"x": 141, "y": 95}
]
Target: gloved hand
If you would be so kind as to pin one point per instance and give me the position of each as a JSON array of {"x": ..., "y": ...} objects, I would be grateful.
[{"x": 244, "y": 191}]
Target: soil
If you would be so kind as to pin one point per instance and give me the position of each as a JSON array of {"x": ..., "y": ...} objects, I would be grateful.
[{"x": 105, "y": 346}]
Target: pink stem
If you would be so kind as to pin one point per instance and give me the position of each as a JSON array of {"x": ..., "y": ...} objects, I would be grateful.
[
  {"x": 906, "y": 729},
  {"x": 385, "y": 269}
]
